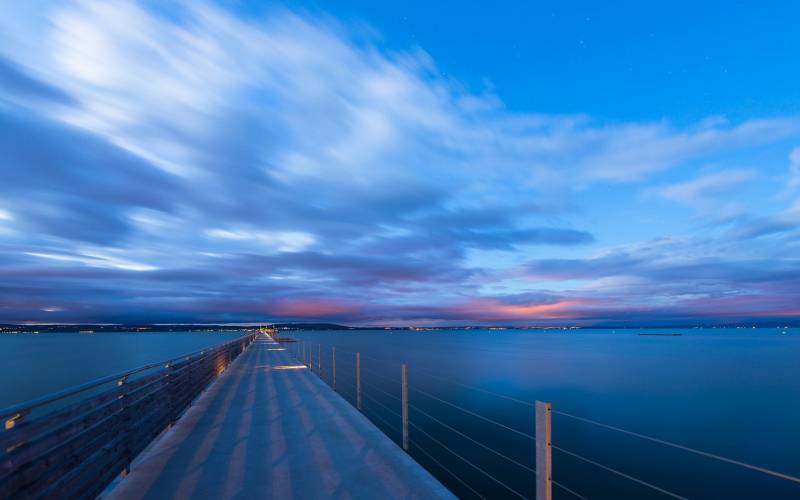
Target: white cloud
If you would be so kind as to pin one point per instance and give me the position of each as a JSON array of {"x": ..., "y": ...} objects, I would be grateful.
[
  {"x": 700, "y": 189},
  {"x": 96, "y": 259},
  {"x": 281, "y": 241},
  {"x": 794, "y": 169},
  {"x": 326, "y": 108}
]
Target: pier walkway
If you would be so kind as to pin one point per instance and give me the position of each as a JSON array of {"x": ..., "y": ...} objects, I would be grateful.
[{"x": 268, "y": 428}]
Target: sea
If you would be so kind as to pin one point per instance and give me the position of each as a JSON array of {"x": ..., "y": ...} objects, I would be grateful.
[{"x": 678, "y": 414}]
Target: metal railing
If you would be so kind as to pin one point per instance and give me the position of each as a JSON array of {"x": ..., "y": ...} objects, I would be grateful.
[
  {"x": 445, "y": 436},
  {"x": 73, "y": 443}
]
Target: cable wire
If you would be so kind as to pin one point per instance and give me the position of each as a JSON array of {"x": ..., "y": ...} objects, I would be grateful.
[
  {"x": 439, "y": 377},
  {"x": 381, "y": 391},
  {"x": 382, "y": 420},
  {"x": 419, "y": 448},
  {"x": 626, "y": 476},
  {"x": 425, "y": 393},
  {"x": 685, "y": 448},
  {"x": 384, "y": 377},
  {"x": 473, "y": 440},
  {"x": 393, "y": 412},
  {"x": 512, "y": 490},
  {"x": 578, "y": 495},
  {"x": 472, "y": 387}
]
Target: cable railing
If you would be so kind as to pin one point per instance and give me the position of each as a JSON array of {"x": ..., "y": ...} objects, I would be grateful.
[
  {"x": 441, "y": 433},
  {"x": 73, "y": 443}
]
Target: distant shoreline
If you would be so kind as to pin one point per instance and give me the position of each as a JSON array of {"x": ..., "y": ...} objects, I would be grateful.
[{"x": 211, "y": 327}]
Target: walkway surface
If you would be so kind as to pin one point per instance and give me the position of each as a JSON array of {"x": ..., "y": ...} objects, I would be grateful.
[{"x": 261, "y": 431}]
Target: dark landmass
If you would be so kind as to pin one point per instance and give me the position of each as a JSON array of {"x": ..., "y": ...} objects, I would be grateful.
[
  {"x": 89, "y": 328},
  {"x": 92, "y": 328}
]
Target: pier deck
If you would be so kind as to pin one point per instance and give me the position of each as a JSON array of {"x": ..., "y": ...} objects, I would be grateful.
[{"x": 262, "y": 432}]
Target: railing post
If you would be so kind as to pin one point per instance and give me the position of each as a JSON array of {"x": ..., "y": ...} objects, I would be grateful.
[
  {"x": 333, "y": 366},
  {"x": 319, "y": 360},
  {"x": 544, "y": 472},
  {"x": 358, "y": 381},
  {"x": 405, "y": 407},
  {"x": 127, "y": 424},
  {"x": 171, "y": 399}
]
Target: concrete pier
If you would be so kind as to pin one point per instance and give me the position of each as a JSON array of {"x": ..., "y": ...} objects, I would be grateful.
[{"x": 270, "y": 429}]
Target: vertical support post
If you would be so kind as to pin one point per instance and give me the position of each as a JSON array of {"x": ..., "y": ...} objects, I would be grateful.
[
  {"x": 544, "y": 472},
  {"x": 172, "y": 397},
  {"x": 127, "y": 424},
  {"x": 405, "y": 407},
  {"x": 358, "y": 381},
  {"x": 319, "y": 360},
  {"x": 333, "y": 366}
]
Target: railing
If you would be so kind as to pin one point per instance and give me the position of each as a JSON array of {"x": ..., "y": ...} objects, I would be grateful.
[
  {"x": 73, "y": 443},
  {"x": 460, "y": 445}
]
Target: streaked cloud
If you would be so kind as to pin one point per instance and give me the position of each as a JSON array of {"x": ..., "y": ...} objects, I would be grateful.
[
  {"x": 699, "y": 189},
  {"x": 207, "y": 165},
  {"x": 794, "y": 169}
]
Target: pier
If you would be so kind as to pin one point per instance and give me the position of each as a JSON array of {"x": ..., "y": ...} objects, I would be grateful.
[
  {"x": 242, "y": 420},
  {"x": 269, "y": 428}
]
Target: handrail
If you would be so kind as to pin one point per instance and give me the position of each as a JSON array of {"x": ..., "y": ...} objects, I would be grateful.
[
  {"x": 363, "y": 373},
  {"x": 29, "y": 405},
  {"x": 702, "y": 453},
  {"x": 78, "y": 447}
]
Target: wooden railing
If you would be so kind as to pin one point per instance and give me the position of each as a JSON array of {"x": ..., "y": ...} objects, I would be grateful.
[{"x": 73, "y": 443}]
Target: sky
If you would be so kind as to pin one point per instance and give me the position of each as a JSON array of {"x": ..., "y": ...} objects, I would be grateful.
[{"x": 445, "y": 163}]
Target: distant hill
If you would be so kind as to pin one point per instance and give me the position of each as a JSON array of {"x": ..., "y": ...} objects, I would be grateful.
[{"x": 89, "y": 328}]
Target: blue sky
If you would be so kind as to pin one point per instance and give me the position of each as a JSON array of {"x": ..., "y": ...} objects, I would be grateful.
[{"x": 375, "y": 164}]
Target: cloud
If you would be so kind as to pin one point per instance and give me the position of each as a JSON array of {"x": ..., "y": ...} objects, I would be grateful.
[
  {"x": 281, "y": 241},
  {"x": 15, "y": 83},
  {"x": 699, "y": 189},
  {"x": 205, "y": 165},
  {"x": 794, "y": 169}
]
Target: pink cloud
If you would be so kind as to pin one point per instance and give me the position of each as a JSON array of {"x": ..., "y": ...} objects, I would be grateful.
[
  {"x": 313, "y": 308},
  {"x": 492, "y": 309}
]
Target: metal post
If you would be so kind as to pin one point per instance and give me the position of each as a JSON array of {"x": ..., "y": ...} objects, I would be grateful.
[
  {"x": 405, "y": 407},
  {"x": 544, "y": 472},
  {"x": 358, "y": 381},
  {"x": 333, "y": 366},
  {"x": 127, "y": 422}
]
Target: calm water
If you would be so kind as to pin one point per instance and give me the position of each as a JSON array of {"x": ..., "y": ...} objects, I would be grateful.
[
  {"x": 32, "y": 365},
  {"x": 732, "y": 392}
]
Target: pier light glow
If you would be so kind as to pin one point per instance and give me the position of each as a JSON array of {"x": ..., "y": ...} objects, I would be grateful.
[
  {"x": 12, "y": 422},
  {"x": 289, "y": 367}
]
